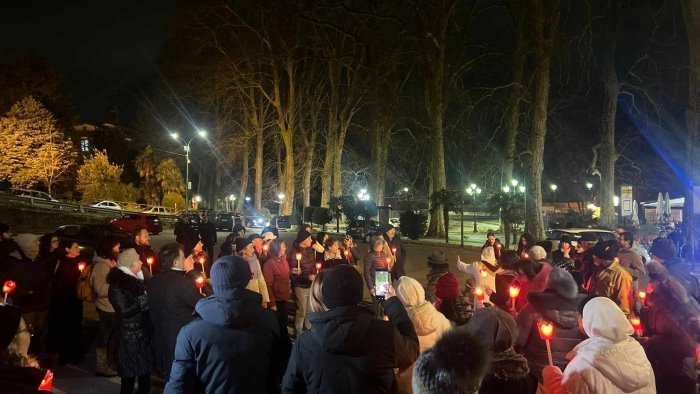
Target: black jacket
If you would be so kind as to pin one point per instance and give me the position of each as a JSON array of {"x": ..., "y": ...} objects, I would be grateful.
[
  {"x": 347, "y": 351},
  {"x": 144, "y": 253},
  {"x": 234, "y": 346},
  {"x": 186, "y": 235},
  {"x": 32, "y": 291},
  {"x": 307, "y": 265},
  {"x": 207, "y": 232},
  {"x": 679, "y": 270},
  {"x": 548, "y": 306},
  {"x": 171, "y": 300},
  {"x": 398, "y": 270},
  {"x": 132, "y": 323}
]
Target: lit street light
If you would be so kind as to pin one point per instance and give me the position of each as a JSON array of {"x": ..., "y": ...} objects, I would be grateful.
[
  {"x": 554, "y": 192},
  {"x": 176, "y": 137},
  {"x": 280, "y": 197},
  {"x": 473, "y": 190},
  {"x": 589, "y": 186},
  {"x": 363, "y": 195},
  {"x": 405, "y": 190}
]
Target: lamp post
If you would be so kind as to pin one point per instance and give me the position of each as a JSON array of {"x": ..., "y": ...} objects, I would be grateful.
[
  {"x": 280, "y": 197},
  {"x": 176, "y": 137},
  {"x": 554, "y": 193},
  {"x": 474, "y": 191}
]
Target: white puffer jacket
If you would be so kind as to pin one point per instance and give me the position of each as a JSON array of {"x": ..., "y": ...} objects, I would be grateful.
[
  {"x": 610, "y": 361},
  {"x": 429, "y": 323}
]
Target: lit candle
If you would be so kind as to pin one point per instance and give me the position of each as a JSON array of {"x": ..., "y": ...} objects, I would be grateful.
[
  {"x": 388, "y": 262},
  {"x": 386, "y": 317},
  {"x": 393, "y": 250},
  {"x": 483, "y": 273},
  {"x": 479, "y": 295},
  {"x": 46, "y": 382},
  {"x": 642, "y": 296},
  {"x": 546, "y": 333},
  {"x": 318, "y": 267},
  {"x": 81, "y": 266},
  {"x": 149, "y": 261},
  {"x": 637, "y": 325},
  {"x": 265, "y": 248},
  {"x": 298, "y": 261},
  {"x": 200, "y": 283},
  {"x": 513, "y": 291},
  {"x": 8, "y": 287}
]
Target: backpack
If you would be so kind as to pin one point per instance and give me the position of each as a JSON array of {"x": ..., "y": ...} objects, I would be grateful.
[{"x": 84, "y": 288}]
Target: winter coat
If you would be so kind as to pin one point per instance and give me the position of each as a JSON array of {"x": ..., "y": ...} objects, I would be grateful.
[
  {"x": 98, "y": 281},
  {"x": 330, "y": 261},
  {"x": 501, "y": 296},
  {"x": 679, "y": 270},
  {"x": 20, "y": 380},
  {"x": 562, "y": 312},
  {"x": 172, "y": 297},
  {"x": 609, "y": 361},
  {"x": 134, "y": 331},
  {"x": 32, "y": 291},
  {"x": 398, "y": 270},
  {"x": 436, "y": 271},
  {"x": 207, "y": 233},
  {"x": 65, "y": 280},
  {"x": 307, "y": 265},
  {"x": 187, "y": 236},
  {"x": 348, "y": 351},
  {"x": 257, "y": 282},
  {"x": 276, "y": 272},
  {"x": 632, "y": 263},
  {"x": 474, "y": 271},
  {"x": 615, "y": 283},
  {"x": 234, "y": 346},
  {"x": 538, "y": 283},
  {"x": 374, "y": 262},
  {"x": 509, "y": 376},
  {"x": 642, "y": 252}
]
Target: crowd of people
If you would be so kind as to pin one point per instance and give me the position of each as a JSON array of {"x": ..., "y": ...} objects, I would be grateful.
[{"x": 623, "y": 320}]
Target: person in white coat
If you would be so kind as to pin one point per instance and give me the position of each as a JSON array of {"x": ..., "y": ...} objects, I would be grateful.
[
  {"x": 483, "y": 271},
  {"x": 428, "y": 322},
  {"x": 609, "y": 361}
]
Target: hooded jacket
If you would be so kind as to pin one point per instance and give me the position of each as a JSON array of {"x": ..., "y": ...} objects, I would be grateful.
[
  {"x": 610, "y": 361},
  {"x": 348, "y": 351},
  {"x": 234, "y": 346}
]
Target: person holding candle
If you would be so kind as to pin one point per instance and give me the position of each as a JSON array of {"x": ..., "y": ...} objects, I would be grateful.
[
  {"x": 481, "y": 273},
  {"x": 246, "y": 250},
  {"x": 233, "y": 345},
  {"x": 302, "y": 259},
  {"x": 142, "y": 246},
  {"x": 277, "y": 277},
  {"x": 398, "y": 252},
  {"x": 609, "y": 361},
  {"x": 557, "y": 304},
  {"x": 531, "y": 275},
  {"x": 612, "y": 280},
  {"x": 258, "y": 248},
  {"x": 583, "y": 260},
  {"x": 524, "y": 244},
  {"x": 632, "y": 262},
  {"x": 351, "y": 253},
  {"x": 127, "y": 294},
  {"x": 495, "y": 243},
  {"x": 106, "y": 254},
  {"x": 499, "y": 296},
  {"x": 66, "y": 310},
  {"x": 509, "y": 371},
  {"x": 172, "y": 296}
]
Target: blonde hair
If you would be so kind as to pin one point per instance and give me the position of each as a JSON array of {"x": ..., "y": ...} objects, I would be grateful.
[{"x": 315, "y": 296}]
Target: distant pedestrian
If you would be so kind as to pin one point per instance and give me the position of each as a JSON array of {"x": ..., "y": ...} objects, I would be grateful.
[
  {"x": 207, "y": 233},
  {"x": 106, "y": 256},
  {"x": 66, "y": 311},
  {"x": 398, "y": 252}
]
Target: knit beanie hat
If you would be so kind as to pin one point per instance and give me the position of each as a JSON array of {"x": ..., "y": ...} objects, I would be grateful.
[
  {"x": 342, "y": 286},
  {"x": 606, "y": 250},
  {"x": 447, "y": 287},
  {"x": 241, "y": 243},
  {"x": 488, "y": 255},
  {"x": 663, "y": 248},
  {"x": 302, "y": 236},
  {"x": 29, "y": 244},
  {"x": 230, "y": 272},
  {"x": 456, "y": 364},
  {"x": 127, "y": 258},
  {"x": 9, "y": 321},
  {"x": 495, "y": 327},
  {"x": 561, "y": 281}
]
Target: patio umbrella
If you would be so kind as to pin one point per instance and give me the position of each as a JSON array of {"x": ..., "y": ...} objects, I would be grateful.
[
  {"x": 667, "y": 206},
  {"x": 660, "y": 207},
  {"x": 635, "y": 213}
]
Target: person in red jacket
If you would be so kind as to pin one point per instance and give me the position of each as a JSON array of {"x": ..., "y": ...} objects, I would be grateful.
[{"x": 276, "y": 272}]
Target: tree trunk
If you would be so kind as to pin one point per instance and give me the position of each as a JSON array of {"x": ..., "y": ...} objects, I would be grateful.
[
  {"x": 513, "y": 111},
  {"x": 327, "y": 173},
  {"x": 280, "y": 165},
  {"x": 380, "y": 151},
  {"x": 545, "y": 17},
  {"x": 337, "y": 169},
  {"x": 259, "y": 140},
  {"x": 307, "y": 178},
  {"x": 244, "y": 178},
  {"x": 611, "y": 88},
  {"x": 691, "y": 16}
]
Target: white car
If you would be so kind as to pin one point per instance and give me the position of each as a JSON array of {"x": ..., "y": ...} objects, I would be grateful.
[
  {"x": 157, "y": 210},
  {"x": 107, "y": 205}
]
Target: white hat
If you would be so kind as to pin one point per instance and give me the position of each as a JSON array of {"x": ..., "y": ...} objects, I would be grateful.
[
  {"x": 488, "y": 255},
  {"x": 268, "y": 236}
]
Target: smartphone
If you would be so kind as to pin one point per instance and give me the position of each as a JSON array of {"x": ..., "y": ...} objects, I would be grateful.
[{"x": 381, "y": 283}]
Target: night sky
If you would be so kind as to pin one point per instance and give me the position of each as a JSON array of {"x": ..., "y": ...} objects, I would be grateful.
[{"x": 99, "y": 46}]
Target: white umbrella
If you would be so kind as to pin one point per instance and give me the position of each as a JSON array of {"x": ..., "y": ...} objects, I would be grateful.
[
  {"x": 660, "y": 207},
  {"x": 667, "y": 207},
  {"x": 635, "y": 213}
]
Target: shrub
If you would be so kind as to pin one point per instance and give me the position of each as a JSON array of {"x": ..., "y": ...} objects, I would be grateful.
[
  {"x": 322, "y": 216},
  {"x": 413, "y": 225},
  {"x": 308, "y": 214},
  {"x": 173, "y": 200}
]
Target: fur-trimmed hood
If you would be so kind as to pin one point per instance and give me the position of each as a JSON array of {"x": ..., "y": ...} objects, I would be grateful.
[{"x": 119, "y": 280}]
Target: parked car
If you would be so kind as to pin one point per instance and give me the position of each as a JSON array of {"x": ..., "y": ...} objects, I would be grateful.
[
  {"x": 576, "y": 233},
  {"x": 131, "y": 221},
  {"x": 282, "y": 222},
  {"x": 255, "y": 221},
  {"x": 157, "y": 210},
  {"x": 226, "y": 221},
  {"x": 88, "y": 235},
  {"x": 363, "y": 229},
  {"x": 28, "y": 193},
  {"x": 106, "y": 204}
]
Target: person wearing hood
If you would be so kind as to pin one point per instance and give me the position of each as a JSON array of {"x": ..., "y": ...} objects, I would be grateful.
[
  {"x": 509, "y": 371},
  {"x": 612, "y": 280},
  {"x": 245, "y": 249},
  {"x": 303, "y": 273},
  {"x": 127, "y": 294},
  {"x": 438, "y": 267},
  {"x": 172, "y": 297},
  {"x": 398, "y": 252},
  {"x": 481, "y": 273},
  {"x": 456, "y": 307},
  {"x": 233, "y": 345},
  {"x": 610, "y": 361},
  {"x": 671, "y": 328},
  {"x": 347, "y": 350},
  {"x": 19, "y": 372},
  {"x": 557, "y": 304},
  {"x": 664, "y": 251},
  {"x": 456, "y": 364}
]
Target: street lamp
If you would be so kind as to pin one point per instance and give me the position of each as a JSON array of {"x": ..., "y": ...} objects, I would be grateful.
[
  {"x": 363, "y": 195},
  {"x": 247, "y": 199},
  {"x": 474, "y": 191},
  {"x": 514, "y": 182},
  {"x": 280, "y": 197},
  {"x": 176, "y": 137},
  {"x": 405, "y": 190},
  {"x": 554, "y": 192},
  {"x": 589, "y": 186},
  {"x": 506, "y": 189}
]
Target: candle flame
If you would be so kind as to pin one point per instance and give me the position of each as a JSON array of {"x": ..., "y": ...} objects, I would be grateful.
[
  {"x": 201, "y": 260},
  {"x": 479, "y": 293},
  {"x": 483, "y": 273},
  {"x": 199, "y": 281},
  {"x": 318, "y": 266},
  {"x": 546, "y": 330},
  {"x": 8, "y": 287},
  {"x": 298, "y": 256},
  {"x": 149, "y": 260},
  {"x": 514, "y": 291},
  {"x": 635, "y": 322},
  {"x": 642, "y": 295},
  {"x": 81, "y": 266}
]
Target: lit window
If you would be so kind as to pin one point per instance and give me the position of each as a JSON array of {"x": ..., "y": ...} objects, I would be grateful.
[{"x": 84, "y": 144}]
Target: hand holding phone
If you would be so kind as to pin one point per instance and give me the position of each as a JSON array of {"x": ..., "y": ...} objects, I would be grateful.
[{"x": 382, "y": 283}]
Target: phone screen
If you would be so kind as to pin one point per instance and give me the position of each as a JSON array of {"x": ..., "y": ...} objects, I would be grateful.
[{"x": 381, "y": 283}]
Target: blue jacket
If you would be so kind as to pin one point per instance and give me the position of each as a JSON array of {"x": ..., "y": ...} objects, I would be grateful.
[{"x": 234, "y": 346}]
